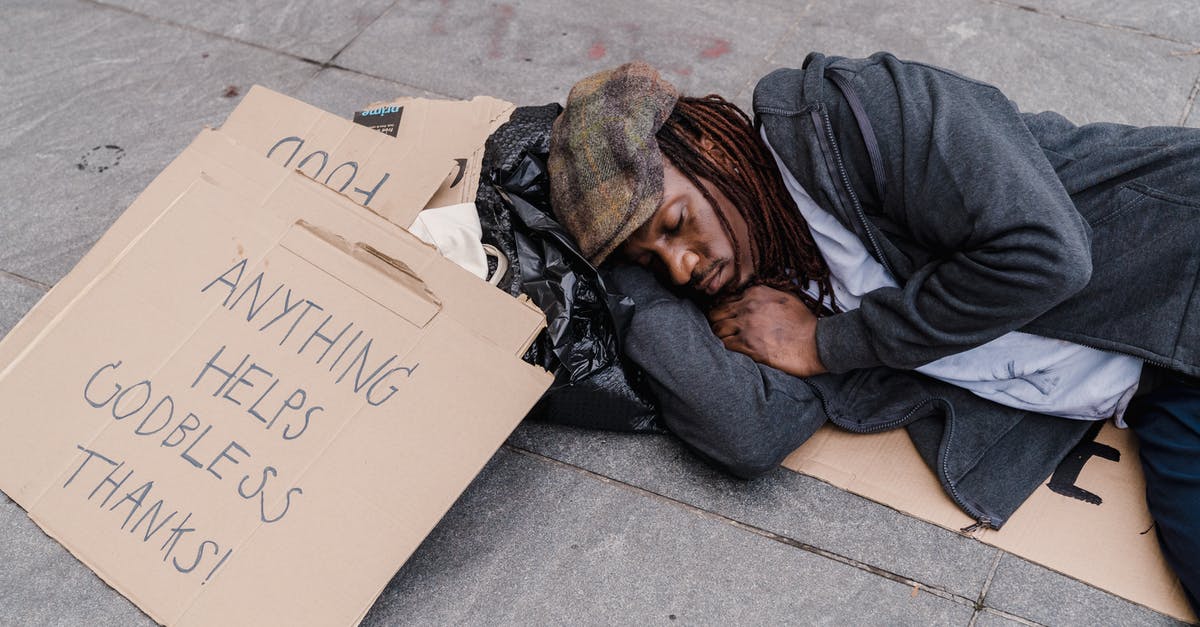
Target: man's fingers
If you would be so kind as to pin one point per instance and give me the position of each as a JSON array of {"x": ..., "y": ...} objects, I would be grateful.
[
  {"x": 724, "y": 328},
  {"x": 724, "y": 311},
  {"x": 737, "y": 344}
]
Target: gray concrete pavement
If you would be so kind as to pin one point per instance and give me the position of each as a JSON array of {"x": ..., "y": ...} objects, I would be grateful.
[{"x": 563, "y": 525}]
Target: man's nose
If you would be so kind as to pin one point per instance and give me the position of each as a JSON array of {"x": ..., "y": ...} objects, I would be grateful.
[{"x": 681, "y": 263}]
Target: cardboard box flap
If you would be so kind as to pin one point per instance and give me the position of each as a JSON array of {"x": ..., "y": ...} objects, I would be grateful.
[
  {"x": 493, "y": 314},
  {"x": 358, "y": 264},
  {"x": 462, "y": 181},
  {"x": 394, "y": 176}
]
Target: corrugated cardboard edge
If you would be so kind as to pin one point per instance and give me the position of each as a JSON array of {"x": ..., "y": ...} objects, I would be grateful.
[
  {"x": 365, "y": 258},
  {"x": 104, "y": 576}
]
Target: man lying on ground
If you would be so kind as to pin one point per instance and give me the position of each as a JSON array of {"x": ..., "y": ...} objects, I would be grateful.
[{"x": 894, "y": 244}]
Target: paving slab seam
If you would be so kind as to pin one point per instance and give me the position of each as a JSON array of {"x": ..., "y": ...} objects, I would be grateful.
[
  {"x": 1070, "y": 18},
  {"x": 320, "y": 65},
  {"x": 24, "y": 280},
  {"x": 172, "y": 23},
  {"x": 360, "y": 32},
  {"x": 936, "y": 591},
  {"x": 1005, "y": 615},
  {"x": 983, "y": 590}
]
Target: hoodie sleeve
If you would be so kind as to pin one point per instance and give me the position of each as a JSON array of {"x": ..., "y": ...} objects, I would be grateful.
[
  {"x": 968, "y": 184},
  {"x": 740, "y": 415}
]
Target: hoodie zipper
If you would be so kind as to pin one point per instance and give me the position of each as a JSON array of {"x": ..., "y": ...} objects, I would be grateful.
[
  {"x": 1149, "y": 360},
  {"x": 822, "y": 119}
]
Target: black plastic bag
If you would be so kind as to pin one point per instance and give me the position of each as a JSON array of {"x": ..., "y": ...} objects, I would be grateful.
[{"x": 594, "y": 386}]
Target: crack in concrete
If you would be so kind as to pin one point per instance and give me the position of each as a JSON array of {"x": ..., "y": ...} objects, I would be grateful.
[
  {"x": 24, "y": 280},
  {"x": 321, "y": 65},
  {"x": 1070, "y": 18},
  {"x": 187, "y": 27},
  {"x": 1191, "y": 102},
  {"x": 936, "y": 591}
]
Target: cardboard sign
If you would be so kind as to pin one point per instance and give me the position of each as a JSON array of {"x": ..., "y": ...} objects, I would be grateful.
[
  {"x": 1092, "y": 525},
  {"x": 253, "y": 398},
  {"x": 393, "y": 176}
]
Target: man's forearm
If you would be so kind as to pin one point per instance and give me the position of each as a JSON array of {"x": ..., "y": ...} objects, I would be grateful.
[{"x": 742, "y": 415}]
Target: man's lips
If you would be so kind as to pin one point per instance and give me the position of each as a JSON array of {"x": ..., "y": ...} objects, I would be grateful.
[{"x": 712, "y": 283}]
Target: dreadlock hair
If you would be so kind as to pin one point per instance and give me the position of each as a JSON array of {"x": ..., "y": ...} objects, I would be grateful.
[{"x": 711, "y": 139}]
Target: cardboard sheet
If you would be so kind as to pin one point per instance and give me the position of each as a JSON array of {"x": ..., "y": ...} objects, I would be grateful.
[
  {"x": 394, "y": 176},
  {"x": 1109, "y": 544},
  {"x": 461, "y": 183},
  {"x": 252, "y": 400}
]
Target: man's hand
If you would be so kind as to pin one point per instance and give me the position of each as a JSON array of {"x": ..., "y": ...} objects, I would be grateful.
[{"x": 773, "y": 327}]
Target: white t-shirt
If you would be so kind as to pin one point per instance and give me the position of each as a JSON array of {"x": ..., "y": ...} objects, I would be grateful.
[{"x": 1017, "y": 369}]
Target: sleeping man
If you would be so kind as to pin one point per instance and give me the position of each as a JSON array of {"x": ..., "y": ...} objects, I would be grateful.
[{"x": 892, "y": 244}]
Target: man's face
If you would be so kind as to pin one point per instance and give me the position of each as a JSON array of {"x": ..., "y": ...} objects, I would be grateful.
[{"x": 684, "y": 242}]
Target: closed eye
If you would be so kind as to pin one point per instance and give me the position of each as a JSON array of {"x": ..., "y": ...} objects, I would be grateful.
[{"x": 678, "y": 224}]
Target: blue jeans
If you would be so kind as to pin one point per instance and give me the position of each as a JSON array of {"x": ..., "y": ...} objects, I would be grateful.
[{"x": 1167, "y": 424}]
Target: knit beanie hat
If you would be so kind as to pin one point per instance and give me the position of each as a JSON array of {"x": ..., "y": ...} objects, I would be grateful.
[{"x": 606, "y": 170}]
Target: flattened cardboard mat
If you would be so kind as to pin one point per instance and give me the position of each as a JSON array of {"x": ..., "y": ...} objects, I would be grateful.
[
  {"x": 1088, "y": 520},
  {"x": 254, "y": 397}
]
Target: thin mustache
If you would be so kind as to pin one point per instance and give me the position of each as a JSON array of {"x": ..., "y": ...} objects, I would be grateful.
[{"x": 699, "y": 278}]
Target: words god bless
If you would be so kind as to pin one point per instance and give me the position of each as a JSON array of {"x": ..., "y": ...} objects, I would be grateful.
[{"x": 252, "y": 396}]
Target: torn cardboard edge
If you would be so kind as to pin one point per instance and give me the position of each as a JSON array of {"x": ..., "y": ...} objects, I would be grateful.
[
  {"x": 393, "y": 176},
  {"x": 461, "y": 183},
  {"x": 353, "y": 265},
  {"x": 1104, "y": 544}
]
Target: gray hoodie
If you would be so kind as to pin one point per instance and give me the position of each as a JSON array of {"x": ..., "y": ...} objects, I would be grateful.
[{"x": 992, "y": 221}]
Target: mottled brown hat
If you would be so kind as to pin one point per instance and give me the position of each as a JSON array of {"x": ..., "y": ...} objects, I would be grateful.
[{"x": 606, "y": 170}]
